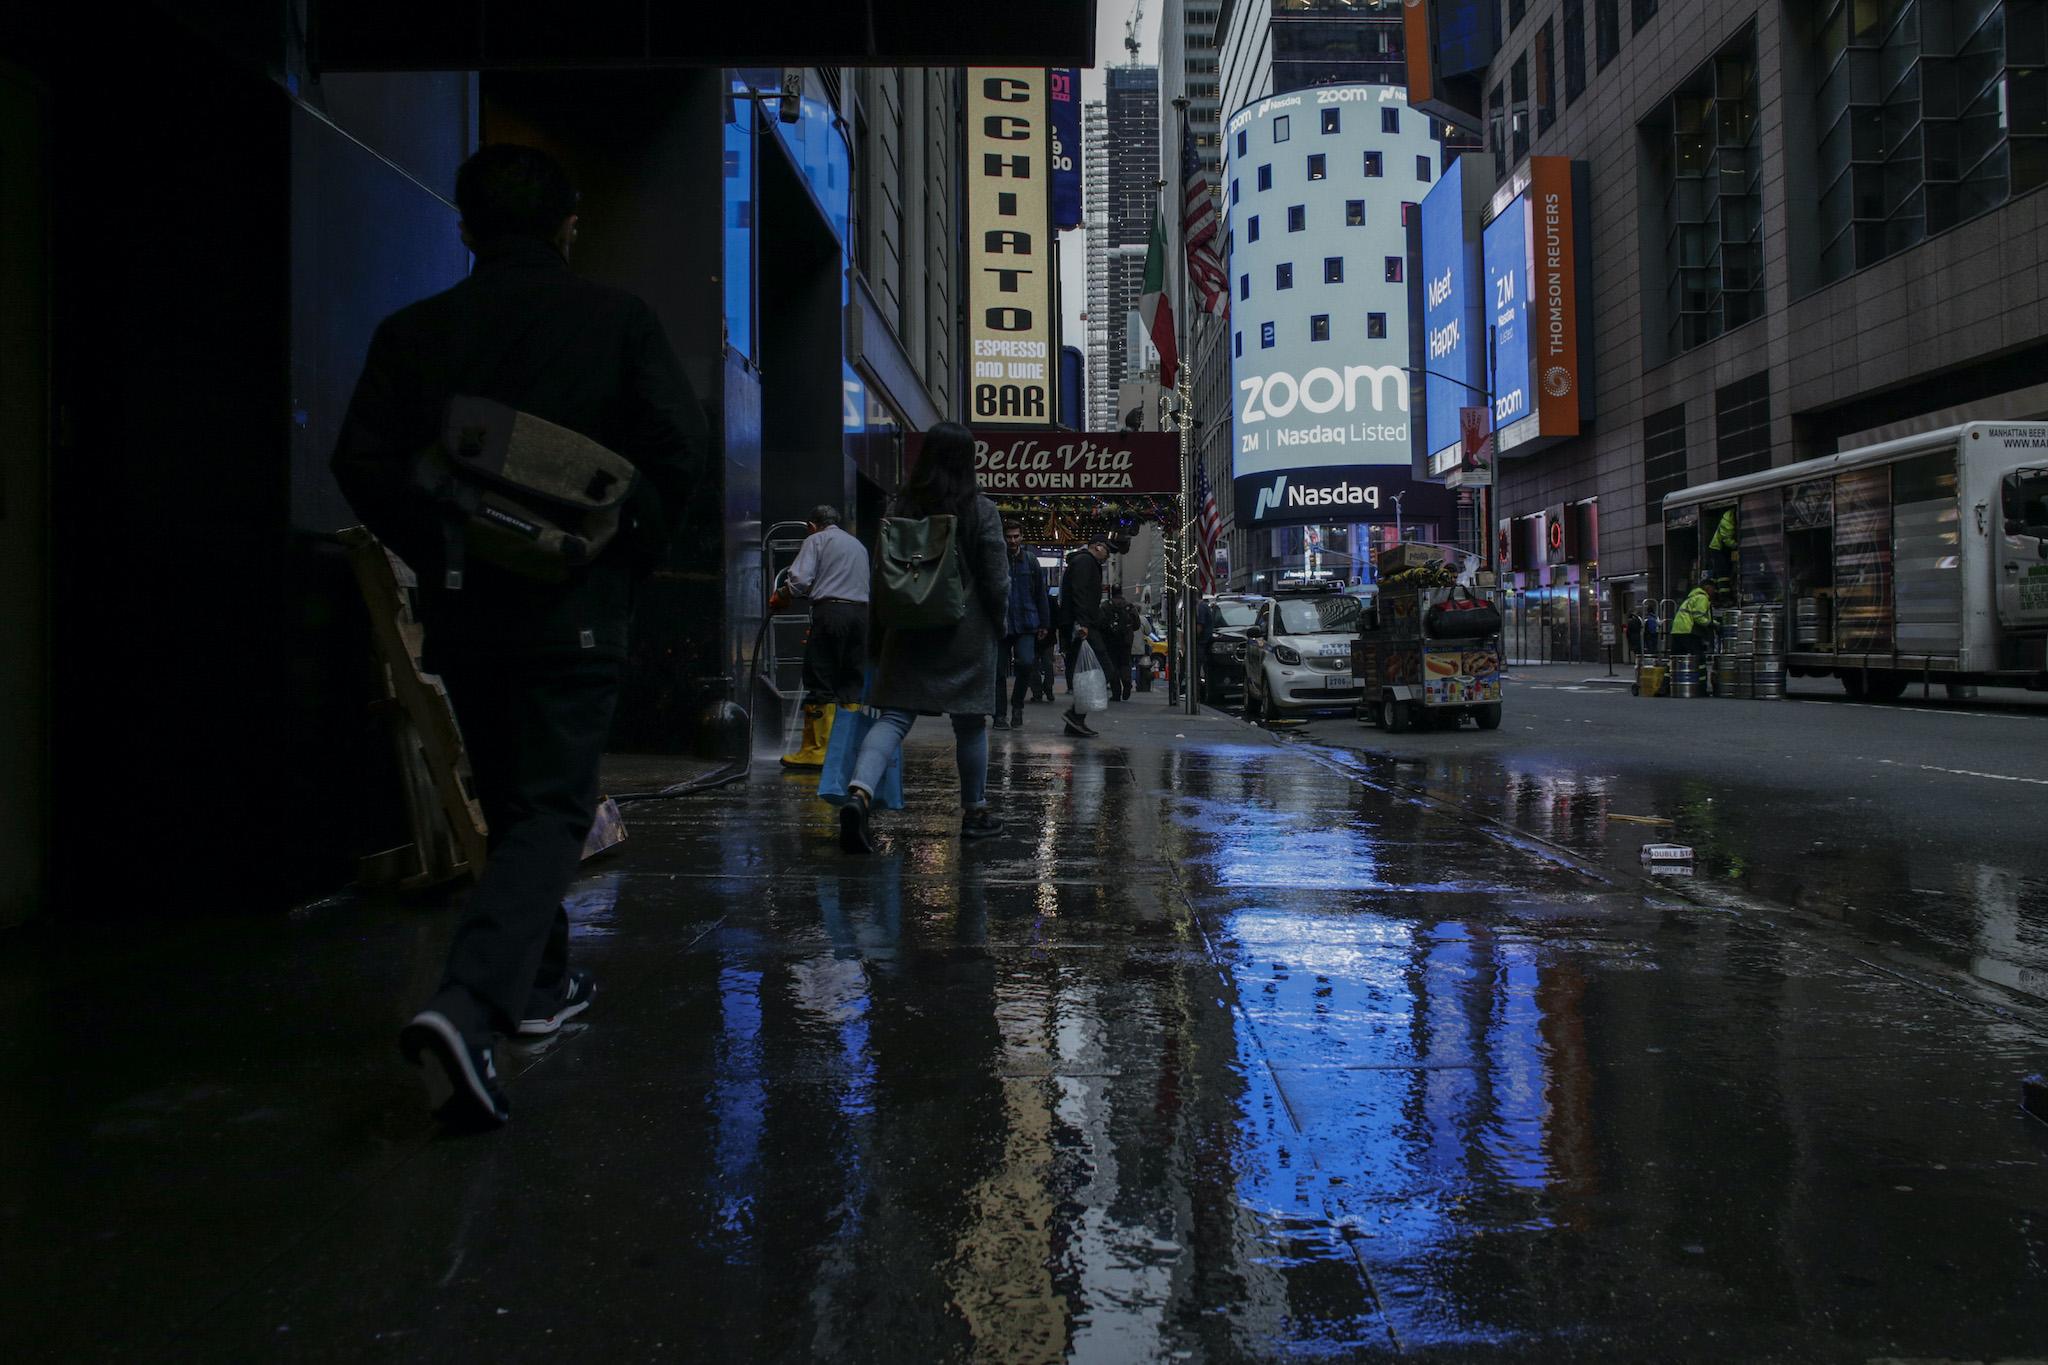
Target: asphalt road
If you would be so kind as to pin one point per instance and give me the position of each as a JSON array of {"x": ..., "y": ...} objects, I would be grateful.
[{"x": 1916, "y": 826}]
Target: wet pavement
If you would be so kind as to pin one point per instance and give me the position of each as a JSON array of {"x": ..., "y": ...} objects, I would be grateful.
[
  {"x": 1234, "y": 1050},
  {"x": 1917, "y": 825}
]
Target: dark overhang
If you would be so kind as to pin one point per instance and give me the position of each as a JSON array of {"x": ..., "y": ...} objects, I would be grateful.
[{"x": 495, "y": 35}]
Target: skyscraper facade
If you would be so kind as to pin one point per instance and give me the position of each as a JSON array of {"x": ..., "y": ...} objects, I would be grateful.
[{"x": 1130, "y": 157}]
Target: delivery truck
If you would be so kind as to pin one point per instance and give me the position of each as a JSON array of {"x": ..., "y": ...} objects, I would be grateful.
[{"x": 1919, "y": 560}]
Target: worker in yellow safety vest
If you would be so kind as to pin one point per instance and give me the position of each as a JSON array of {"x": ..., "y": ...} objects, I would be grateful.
[
  {"x": 1692, "y": 624},
  {"x": 1721, "y": 548}
]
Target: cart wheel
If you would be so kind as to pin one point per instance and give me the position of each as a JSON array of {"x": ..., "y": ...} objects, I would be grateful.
[
  {"x": 1394, "y": 716},
  {"x": 1488, "y": 716},
  {"x": 1635, "y": 689}
]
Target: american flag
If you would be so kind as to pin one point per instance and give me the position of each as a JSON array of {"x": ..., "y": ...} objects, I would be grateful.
[
  {"x": 1206, "y": 279},
  {"x": 1208, "y": 528}
]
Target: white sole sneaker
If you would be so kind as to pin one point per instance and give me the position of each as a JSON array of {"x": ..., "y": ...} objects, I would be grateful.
[
  {"x": 581, "y": 991},
  {"x": 460, "y": 1092}
]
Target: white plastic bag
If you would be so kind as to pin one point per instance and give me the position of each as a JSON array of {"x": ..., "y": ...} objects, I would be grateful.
[{"x": 1091, "y": 684}]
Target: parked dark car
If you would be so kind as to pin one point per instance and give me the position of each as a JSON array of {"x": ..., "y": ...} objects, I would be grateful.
[{"x": 1229, "y": 614}]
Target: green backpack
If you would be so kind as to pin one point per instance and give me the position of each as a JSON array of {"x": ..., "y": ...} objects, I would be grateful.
[{"x": 920, "y": 581}]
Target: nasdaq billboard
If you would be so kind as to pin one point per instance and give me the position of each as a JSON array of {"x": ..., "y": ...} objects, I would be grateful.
[{"x": 1319, "y": 304}]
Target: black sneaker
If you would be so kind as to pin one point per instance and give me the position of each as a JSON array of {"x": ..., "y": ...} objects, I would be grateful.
[
  {"x": 1016, "y": 718},
  {"x": 979, "y": 824},
  {"x": 461, "y": 1077},
  {"x": 853, "y": 825},
  {"x": 1001, "y": 722},
  {"x": 575, "y": 998},
  {"x": 1076, "y": 725}
]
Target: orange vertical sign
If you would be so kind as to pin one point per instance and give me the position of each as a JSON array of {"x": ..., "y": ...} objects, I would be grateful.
[
  {"x": 1421, "y": 52},
  {"x": 1556, "y": 305}
]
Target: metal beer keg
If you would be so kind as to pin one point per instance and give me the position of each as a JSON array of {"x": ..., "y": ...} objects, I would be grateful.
[{"x": 1685, "y": 675}]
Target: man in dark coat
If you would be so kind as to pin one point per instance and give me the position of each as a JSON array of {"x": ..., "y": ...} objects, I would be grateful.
[
  {"x": 532, "y": 668},
  {"x": 1026, "y": 626},
  {"x": 1081, "y": 608},
  {"x": 1119, "y": 625}
]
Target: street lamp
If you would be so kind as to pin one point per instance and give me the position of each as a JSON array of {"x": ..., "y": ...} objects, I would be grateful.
[{"x": 1493, "y": 430}]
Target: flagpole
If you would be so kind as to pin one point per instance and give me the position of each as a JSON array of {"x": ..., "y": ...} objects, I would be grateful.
[{"x": 1190, "y": 579}]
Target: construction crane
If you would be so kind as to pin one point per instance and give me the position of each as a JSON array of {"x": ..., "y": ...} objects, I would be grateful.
[{"x": 1131, "y": 31}]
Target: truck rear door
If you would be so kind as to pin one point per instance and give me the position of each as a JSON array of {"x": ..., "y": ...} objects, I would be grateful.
[{"x": 2021, "y": 564}]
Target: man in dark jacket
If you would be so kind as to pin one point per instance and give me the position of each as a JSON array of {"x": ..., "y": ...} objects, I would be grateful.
[
  {"x": 1081, "y": 605},
  {"x": 532, "y": 668},
  {"x": 1028, "y": 624},
  {"x": 1119, "y": 625}
]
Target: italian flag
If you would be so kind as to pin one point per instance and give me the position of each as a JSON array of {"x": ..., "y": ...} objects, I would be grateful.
[{"x": 1153, "y": 306}]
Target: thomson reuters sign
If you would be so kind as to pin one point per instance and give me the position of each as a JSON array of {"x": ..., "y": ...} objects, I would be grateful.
[{"x": 1533, "y": 248}]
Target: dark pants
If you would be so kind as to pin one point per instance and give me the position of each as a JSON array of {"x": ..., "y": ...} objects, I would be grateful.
[
  {"x": 1691, "y": 642},
  {"x": 1017, "y": 659},
  {"x": 534, "y": 731},
  {"x": 836, "y": 654},
  {"x": 1144, "y": 662},
  {"x": 1117, "y": 660},
  {"x": 1041, "y": 674}
]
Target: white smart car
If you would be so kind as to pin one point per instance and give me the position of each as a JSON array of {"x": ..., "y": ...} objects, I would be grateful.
[{"x": 1298, "y": 653}]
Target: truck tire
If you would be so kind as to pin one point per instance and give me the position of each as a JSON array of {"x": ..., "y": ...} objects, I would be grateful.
[
  {"x": 1488, "y": 715},
  {"x": 1886, "y": 686},
  {"x": 1395, "y": 716}
]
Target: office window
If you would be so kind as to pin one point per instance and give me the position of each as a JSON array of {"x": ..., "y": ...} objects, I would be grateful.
[
  {"x": 1742, "y": 426},
  {"x": 1354, "y": 213},
  {"x": 1233, "y": 189},
  {"x": 1376, "y": 326},
  {"x": 1244, "y": 286},
  {"x": 1518, "y": 106},
  {"x": 1606, "y": 33},
  {"x": 1265, "y": 177},
  {"x": 1283, "y": 275},
  {"x": 1642, "y": 11},
  {"x": 1297, "y": 217},
  {"x": 1251, "y": 228},
  {"x": 1390, "y": 120},
  {"x": 1265, "y": 335},
  {"x": 1333, "y": 270},
  {"x": 1241, "y": 141},
  {"x": 1927, "y": 115},
  {"x": 1393, "y": 270},
  {"x": 1497, "y": 129},
  {"x": 1663, "y": 458},
  {"x": 1409, "y": 209},
  {"x": 1331, "y": 120},
  {"x": 1318, "y": 167},
  {"x": 1372, "y": 164},
  {"x": 1237, "y": 344},
  {"x": 1574, "y": 20},
  {"x": 1706, "y": 163},
  {"x": 1282, "y": 128},
  {"x": 1422, "y": 169},
  {"x": 1546, "y": 82},
  {"x": 1518, "y": 10},
  {"x": 1319, "y": 327}
]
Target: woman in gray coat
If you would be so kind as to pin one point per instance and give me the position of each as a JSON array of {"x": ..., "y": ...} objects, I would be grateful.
[{"x": 945, "y": 670}]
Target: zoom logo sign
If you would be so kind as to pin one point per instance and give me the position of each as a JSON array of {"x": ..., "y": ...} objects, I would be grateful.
[{"x": 1321, "y": 391}]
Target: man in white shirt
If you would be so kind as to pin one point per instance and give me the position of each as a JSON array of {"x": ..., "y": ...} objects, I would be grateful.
[{"x": 831, "y": 573}]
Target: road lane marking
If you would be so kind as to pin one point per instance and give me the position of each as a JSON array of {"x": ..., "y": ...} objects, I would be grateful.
[{"x": 1970, "y": 772}]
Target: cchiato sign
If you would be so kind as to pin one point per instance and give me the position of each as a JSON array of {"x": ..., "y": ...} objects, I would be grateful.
[{"x": 1012, "y": 348}]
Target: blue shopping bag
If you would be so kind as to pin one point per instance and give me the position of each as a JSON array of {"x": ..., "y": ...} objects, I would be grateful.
[{"x": 849, "y": 729}]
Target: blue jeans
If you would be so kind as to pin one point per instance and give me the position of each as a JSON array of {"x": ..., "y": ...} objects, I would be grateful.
[{"x": 886, "y": 736}]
